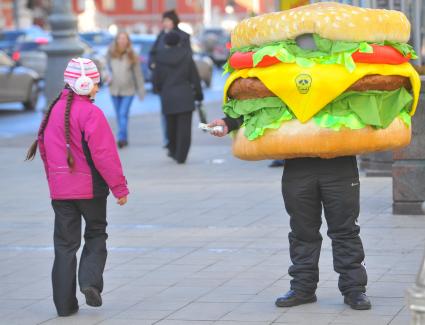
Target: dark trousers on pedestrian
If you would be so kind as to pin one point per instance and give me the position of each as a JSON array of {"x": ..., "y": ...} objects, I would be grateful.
[
  {"x": 179, "y": 129},
  {"x": 308, "y": 185},
  {"x": 67, "y": 240}
]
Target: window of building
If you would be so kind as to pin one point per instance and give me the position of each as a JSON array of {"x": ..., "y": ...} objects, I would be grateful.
[
  {"x": 170, "y": 4},
  {"x": 108, "y": 5},
  {"x": 139, "y": 4}
]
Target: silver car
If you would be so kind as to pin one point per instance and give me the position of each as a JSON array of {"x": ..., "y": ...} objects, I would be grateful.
[{"x": 17, "y": 84}]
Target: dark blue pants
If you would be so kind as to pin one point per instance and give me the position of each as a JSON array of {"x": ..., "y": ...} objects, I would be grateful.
[
  {"x": 308, "y": 185},
  {"x": 67, "y": 240}
]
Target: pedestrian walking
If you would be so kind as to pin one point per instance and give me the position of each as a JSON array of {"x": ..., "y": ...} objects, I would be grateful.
[
  {"x": 125, "y": 81},
  {"x": 170, "y": 22},
  {"x": 308, "y": 184},
  {"x": 177, "y": 81},
  {"x": 81, "y": 164}
]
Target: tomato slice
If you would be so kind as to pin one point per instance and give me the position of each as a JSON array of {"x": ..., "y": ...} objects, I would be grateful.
[
  {"x": 382, "y": 54},
  {"x": 241, "y": 60}
]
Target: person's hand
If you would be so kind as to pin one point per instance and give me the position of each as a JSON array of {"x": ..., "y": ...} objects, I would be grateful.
[
  {"x": 122, "y": 200},
  {"x": 219, "y": 122}
]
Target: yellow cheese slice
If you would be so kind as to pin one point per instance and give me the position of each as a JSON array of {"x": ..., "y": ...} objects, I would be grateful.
[{"x": 307, "y": 90}]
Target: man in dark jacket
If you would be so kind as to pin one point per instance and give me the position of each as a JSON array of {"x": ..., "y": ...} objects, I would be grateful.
[
  {"x": 170, "y": 22},
  {"x": 308, "y": 184},
  {"x": 178, "y": 84}
]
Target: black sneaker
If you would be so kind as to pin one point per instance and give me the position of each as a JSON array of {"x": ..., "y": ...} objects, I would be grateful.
[
  {"x": 357, "y": 301},
  {"x": 291, "y": 299},
  {"x": 93, "y": 297}
]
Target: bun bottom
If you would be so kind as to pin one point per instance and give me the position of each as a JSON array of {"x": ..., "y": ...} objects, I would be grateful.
[{"x": 294, "y": 140}]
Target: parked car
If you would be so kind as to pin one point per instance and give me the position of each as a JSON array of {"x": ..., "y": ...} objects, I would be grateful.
[
  {"x": 142, "y": 44},
  {"x": 216, "y": 43},
  {"x": 18, "y": 84},
  {"x": 99, "y": 41},
  {"x": 204, "y": 64},
  {"x": 28, "y": 52},
  {"x": 8, "y": 39}
]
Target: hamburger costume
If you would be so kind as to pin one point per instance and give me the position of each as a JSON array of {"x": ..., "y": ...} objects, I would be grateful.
[{"x": 316, "y": 85}]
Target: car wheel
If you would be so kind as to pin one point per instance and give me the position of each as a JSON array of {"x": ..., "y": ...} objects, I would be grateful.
[{"x": 32, "y": 99}]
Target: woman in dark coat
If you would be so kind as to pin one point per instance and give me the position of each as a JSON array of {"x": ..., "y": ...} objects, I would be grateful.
[{"x": 177, "y": 81}]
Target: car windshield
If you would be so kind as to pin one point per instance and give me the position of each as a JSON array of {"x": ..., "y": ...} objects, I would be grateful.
[
  {"x": 97, "y": 38},
  {"x": 11, "y": 35},
  {"x": 28, "y": 46}
]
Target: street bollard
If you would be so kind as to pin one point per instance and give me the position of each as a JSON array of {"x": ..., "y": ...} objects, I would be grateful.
[
  {"x": 65, "y": 45},
  {"x": 416, "y": 295}
]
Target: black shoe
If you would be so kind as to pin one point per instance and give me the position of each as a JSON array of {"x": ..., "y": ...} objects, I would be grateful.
[
  {"x": 72, "y": 312},
  {"x": 125, "y": 143},
  {"x": 357, "y": 301},
  {"x": 291, "y": 299},
  {"x": 93, "y": 297},
  {"x": 120, "y": 144},
  {"x": 277, "y": 163}
]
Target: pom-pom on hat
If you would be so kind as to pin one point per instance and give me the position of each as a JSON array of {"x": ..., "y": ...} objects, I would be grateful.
[
  {"x": 73, "y": 71},
  {"x": 172, "y": 38}
]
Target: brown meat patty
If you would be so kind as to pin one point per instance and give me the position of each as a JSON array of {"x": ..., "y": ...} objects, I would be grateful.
[{"x": 248, "y": 88}]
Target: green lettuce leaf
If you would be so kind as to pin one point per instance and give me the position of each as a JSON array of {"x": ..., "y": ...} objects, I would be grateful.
[
  {"x": 347, "y": 110},
  {"x": 327, "y": 52}
]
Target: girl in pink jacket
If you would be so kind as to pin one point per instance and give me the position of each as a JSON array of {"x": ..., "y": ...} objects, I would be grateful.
[{"x": 81, "y": 163}]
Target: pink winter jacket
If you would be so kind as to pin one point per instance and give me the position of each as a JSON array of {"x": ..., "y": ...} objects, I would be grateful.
[{"x": 97, "y": 165}]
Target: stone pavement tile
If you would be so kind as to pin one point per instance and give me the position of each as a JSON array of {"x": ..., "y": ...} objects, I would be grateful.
[
  {"x": 224, "y": 322},
  {"x": 36, "y": 290},
  {"x": 384, "y": 310},
  {"x": 177, "y": 293},
  {"x": 387, "y": 289},
  {"x": 322, "y": 306},
  {"x": 136, "y": 292},
  {"x": 200, "y": 282},
  {"x": 135, "y": 313},
  {"x": 404, "y": 317},
  {"x": 254, "y": 311},
  {"x": 203, "y": 311},
  {"x": 362, "y": 317},
  {"x": 217, "y": 296},
  {"x": 184, "y": 322},
  {"x": 407, "y": 279},
  {"x": 125, "y": 321},
  {"x": 306, "y": 318}
]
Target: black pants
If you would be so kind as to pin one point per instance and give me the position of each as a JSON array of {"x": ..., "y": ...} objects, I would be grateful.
[
  {"x": 67, "y": 240},
  {"x": 308, "y": 184},
  {"x": 179, "y": 129}
]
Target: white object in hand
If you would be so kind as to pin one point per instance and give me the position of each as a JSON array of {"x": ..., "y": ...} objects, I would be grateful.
[{"x": 204, "y": 126}]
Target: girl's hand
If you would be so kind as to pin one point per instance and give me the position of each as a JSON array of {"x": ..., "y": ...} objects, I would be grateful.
[
  {"x": 122, "y": 201},
  {"x": 221, "y": 123}
]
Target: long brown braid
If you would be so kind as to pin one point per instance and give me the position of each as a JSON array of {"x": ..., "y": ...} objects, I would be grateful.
[
  {"x": 33, "y": 148},
  {"x": 69, "y": 158}
]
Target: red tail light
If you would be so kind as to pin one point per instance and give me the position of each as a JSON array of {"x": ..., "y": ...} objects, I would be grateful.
[{"x": 16, "y": 56}]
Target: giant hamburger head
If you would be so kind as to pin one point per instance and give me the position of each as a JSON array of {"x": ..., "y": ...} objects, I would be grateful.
[{"x": 323, "y": 80}]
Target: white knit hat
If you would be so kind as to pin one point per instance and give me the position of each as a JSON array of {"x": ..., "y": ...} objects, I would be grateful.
[{"x": 73, "y": 71}]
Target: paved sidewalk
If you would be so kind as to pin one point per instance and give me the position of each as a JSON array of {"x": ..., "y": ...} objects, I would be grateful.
[{"x": 202, "y": 243}]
